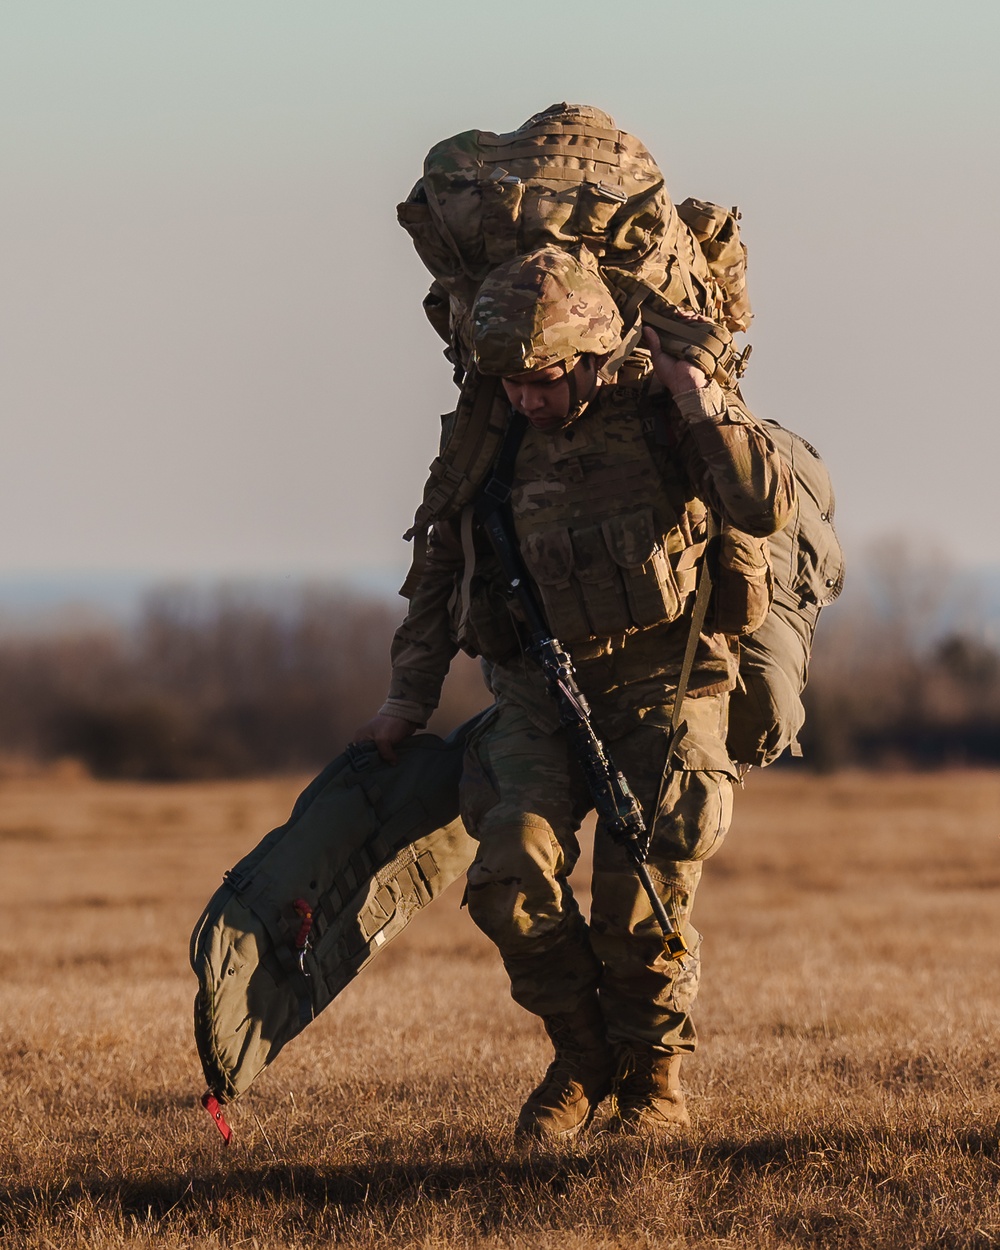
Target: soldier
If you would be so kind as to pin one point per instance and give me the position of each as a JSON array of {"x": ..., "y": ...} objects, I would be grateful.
[{"x": 611, "y": 497}]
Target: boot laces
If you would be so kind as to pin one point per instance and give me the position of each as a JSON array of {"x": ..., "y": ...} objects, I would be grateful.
[
  {"x": 634, "y": 1084},
  {"x": 570, "y": 1065},
  {"x": 559, "y": 1079}
]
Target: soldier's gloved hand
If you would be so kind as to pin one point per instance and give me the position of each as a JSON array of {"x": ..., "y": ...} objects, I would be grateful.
[
  {"x": 387, "y": 732},
  {"x": 678, "y": 376}
]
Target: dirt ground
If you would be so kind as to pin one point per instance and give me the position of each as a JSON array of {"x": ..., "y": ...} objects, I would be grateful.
[{"x": 844, "y": 1095}]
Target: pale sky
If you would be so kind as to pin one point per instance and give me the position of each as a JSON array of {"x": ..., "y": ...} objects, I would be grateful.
[{"x": 212, "y": 353}]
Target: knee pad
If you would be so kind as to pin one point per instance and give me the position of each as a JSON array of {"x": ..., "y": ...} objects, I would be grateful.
[
  {"x": 694, "y": 815},
  {"x": 516, "y": 893}
]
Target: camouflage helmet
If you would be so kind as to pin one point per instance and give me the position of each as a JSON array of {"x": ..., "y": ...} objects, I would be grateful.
[{"x": 542, "y": 309}]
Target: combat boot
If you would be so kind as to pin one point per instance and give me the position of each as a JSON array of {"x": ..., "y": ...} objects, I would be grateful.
[
  {"x": 647, "y": 1097},
  {"x": 578, "y": 1077}
]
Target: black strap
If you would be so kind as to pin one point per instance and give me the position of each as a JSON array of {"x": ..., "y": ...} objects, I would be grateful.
[{"x": 496, "y": 492}]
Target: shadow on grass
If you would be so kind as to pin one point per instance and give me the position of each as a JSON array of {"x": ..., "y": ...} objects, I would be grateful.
[{"x": 496, "y": 1183}]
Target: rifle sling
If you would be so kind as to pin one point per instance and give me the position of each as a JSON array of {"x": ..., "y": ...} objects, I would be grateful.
[
  {"x": 699, "y": 611},
  {"x": 496, "y": 493}
]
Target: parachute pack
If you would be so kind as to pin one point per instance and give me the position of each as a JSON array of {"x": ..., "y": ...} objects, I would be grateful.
[{"x": 367, "y": 846}]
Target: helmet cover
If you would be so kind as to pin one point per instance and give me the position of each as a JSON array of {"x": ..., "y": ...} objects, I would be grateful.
[{"x": 540, "y": 310}]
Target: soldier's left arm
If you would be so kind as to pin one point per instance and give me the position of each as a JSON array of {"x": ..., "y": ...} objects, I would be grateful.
[{"x": 732, "y": 459}]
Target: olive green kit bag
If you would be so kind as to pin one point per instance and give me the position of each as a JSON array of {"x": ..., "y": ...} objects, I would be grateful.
[
  {"x": 368, "y": 844},
  {"x": 765, "y": 711}
]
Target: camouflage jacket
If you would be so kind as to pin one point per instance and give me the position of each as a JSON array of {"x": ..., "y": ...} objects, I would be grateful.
[{"x": 611, "y": 517}]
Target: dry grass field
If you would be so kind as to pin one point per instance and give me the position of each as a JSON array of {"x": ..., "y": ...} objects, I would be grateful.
[{"x": 845, "y": 1094}]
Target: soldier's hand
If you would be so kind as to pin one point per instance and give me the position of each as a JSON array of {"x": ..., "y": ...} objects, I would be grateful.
[
  {"x": 678, "y": 376},
  {"x": 387, "y": 732}
]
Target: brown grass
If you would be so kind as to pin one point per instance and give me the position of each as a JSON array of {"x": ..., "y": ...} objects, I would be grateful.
[{"x": 845, "y": 1094}]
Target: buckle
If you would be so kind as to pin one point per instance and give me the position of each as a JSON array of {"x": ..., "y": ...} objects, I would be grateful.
[
  {"x": 496, "y": 490},
  {"x": 674, "y": 945},
  {"x": 362, "y": 755}
]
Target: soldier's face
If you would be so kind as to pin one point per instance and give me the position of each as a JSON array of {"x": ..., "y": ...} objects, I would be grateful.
[{"x": 545, "y": 397}]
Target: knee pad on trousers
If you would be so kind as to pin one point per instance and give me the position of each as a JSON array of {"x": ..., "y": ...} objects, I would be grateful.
[{"x": 515, "y": 894}]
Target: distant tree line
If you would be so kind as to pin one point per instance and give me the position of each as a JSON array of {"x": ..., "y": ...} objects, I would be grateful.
[
  {"x": 906, "y": 671},
  {"x": 213, "y": 683},
  {"x": 222, "y": 683}
]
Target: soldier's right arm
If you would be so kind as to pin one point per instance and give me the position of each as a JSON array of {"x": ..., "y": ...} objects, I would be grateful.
[{"x": 422, "y": 648}]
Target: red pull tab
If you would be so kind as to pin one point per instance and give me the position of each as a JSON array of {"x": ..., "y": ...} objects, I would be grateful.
[
  {"x": 214, "y": 1109},
  {"x": 303, "y": 909}
]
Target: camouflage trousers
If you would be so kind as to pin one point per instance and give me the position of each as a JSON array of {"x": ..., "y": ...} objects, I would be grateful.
[{"x": 523, "y": 798}]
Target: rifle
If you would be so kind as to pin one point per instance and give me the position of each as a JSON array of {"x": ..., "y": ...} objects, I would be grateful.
[{"x": 617, "y": 807}]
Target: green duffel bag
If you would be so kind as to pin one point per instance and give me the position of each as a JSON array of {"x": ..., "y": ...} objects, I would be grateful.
[{"x": 367, "y": 845}]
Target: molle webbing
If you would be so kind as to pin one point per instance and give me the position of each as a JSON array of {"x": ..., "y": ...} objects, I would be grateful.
[
  {"x": 597, "y": 133},
  {"x": 547, "y": 143},
  {"x": 703, "y": 343},
  {"x": 531, "y": 152}
]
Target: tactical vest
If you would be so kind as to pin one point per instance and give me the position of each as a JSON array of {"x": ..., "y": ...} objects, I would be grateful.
[
  {"x": 611, "y": 544},
  {"x": 612, "y": 533}
]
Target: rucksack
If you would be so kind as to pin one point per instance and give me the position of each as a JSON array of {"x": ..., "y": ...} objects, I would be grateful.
[
  {"x": 571, "y": 178},
  {"x": 568, "y": 177}
]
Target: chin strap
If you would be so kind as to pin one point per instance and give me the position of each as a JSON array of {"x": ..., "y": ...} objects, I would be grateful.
[
  {"x": 578, "y": 405},
  {"x": 606, "y": 373}
]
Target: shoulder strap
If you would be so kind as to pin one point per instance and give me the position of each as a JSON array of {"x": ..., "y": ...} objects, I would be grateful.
[
  {"x": 497, "y": 488},
  {"x": 459, "y": 468}
]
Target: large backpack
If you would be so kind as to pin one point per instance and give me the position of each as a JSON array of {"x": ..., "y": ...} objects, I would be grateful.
[{"x": 568, "y": 177}]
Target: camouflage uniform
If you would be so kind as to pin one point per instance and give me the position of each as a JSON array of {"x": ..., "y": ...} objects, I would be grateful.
[{"x": 611, "y": 517}]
